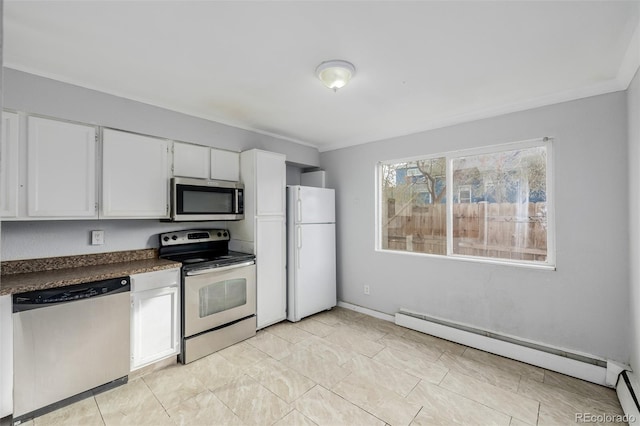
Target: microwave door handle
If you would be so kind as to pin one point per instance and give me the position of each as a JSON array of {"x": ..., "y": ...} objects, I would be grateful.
[
  {"x": 236, "y": 192},
  {"x": 221, "y": 269}
]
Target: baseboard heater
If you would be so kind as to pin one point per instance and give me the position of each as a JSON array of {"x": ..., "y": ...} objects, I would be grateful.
[
  {"x": 626, "y": 390},
  {"x": 581, "y": 366}
]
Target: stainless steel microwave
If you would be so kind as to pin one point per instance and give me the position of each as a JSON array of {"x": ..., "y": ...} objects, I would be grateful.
[{"x": 202, "y": 199}]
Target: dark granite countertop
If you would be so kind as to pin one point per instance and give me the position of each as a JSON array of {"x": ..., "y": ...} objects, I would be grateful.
[{"x": 35, "y": 274}]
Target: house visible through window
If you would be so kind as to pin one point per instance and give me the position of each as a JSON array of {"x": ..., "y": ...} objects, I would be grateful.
[{"x": 491, "y": 203}]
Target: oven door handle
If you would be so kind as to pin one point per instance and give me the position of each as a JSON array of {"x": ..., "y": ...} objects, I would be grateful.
[{"x": 221, "y": 269}]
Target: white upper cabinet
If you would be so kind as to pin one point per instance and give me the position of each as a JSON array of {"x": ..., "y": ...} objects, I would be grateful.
[
  {"x": 225, "y": 165},
  {"x": 61, "y": 171},
  {"x": 9, "y": 165},
  {"x": 197, "y": 161},
  {"x": 190, "y": 160},
  {"x": 52, "y": 169},
  {"x": 271, "y": 181},
  {"x": 135, "y": 176}
]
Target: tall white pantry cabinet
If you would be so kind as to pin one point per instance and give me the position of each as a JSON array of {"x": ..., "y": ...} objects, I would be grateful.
[{"x": 263, "y": 230}]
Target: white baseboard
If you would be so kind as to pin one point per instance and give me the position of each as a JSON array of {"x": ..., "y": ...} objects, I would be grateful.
[{"x": 370, "y": 312}]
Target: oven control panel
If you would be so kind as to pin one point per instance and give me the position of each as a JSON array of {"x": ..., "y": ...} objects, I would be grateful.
[{"x": 194, "y": 236}]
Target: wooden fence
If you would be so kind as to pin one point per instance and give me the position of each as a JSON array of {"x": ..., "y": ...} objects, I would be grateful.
[{"x": 500, "y": 230}]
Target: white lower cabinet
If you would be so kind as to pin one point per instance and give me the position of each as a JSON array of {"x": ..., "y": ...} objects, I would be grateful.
[
  {"x": 6, "y": 357},
  {"x": 155, "y": 317}
]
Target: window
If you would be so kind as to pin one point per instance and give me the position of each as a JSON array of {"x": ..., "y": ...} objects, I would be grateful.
[
  {"x": 464, "y": 193},
  {"x": 492, "y": 203},
  {"x": 413, "y": 208}
]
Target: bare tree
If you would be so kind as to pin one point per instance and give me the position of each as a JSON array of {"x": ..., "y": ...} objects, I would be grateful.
[
  {"x": 432, "y": 169},
  {"x": 389, "y": 174}
]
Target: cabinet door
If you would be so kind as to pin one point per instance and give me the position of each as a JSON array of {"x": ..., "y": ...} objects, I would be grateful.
[
  {"x": 9, "y": 165},
  {"x": 155, "y": 333},
  {"x": 271, "y": 279},
  {"x": 61, "y": 169},
  {"x": 6, "y": 357},
  {"x": 135, "y": 176},
  {"x": 225, "y": 165},
  {"x": 271, "y": 181},
  {"x": 190, "y": 160}
]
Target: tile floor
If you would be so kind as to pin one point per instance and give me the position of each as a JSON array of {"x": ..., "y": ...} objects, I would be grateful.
[{"x": 343, "y": 368}]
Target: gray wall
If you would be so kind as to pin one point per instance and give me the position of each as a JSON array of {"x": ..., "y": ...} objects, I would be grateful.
[
  {"x": 33, "y": 94},
  {"x": 582, "y": 306},
  {"x": 34, "y": 239},
  {"x": 633, "y": 100},
  {"x": 293, "y": 175}
]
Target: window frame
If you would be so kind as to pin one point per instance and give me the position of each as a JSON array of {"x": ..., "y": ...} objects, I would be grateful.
[{"x": 547, "y": 142}]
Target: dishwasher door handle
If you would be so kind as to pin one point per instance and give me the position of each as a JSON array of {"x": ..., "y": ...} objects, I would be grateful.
[{"x": 45, "y": 298}]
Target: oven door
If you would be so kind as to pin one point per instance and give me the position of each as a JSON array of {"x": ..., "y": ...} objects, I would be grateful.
[{"x": 218, "y": 296}]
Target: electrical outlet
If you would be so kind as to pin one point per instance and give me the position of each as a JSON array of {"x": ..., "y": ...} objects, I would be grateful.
[
  {"x": 367, "y": 290},
  {"x": 97, "y": 238}
]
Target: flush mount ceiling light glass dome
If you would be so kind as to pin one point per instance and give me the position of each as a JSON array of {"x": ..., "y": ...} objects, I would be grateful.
[{"x": 335, "y": 74}]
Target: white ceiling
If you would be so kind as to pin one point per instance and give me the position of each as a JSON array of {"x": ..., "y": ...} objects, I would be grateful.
[{"x": 250, "y": 64}]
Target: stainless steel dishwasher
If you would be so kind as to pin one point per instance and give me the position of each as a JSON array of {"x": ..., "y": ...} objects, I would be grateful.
[{"x": 69, "y": 342}]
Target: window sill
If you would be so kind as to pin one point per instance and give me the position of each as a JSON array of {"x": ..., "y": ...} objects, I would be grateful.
[{"x": 472, "y": 259}]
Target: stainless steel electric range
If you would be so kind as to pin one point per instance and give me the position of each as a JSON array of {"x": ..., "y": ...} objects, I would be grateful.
[{"x": 218, "y": 296}]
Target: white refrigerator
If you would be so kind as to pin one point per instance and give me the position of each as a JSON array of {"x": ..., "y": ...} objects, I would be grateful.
[{"x": 311, "y": 251}]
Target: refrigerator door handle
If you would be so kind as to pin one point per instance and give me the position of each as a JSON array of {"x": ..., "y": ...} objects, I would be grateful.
[
  {"x": 298, "y": 244},
  {"x": 299, "y": 210}
]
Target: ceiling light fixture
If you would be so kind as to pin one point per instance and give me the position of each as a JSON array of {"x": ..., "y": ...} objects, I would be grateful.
[{"x": 335, "y": 74}]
